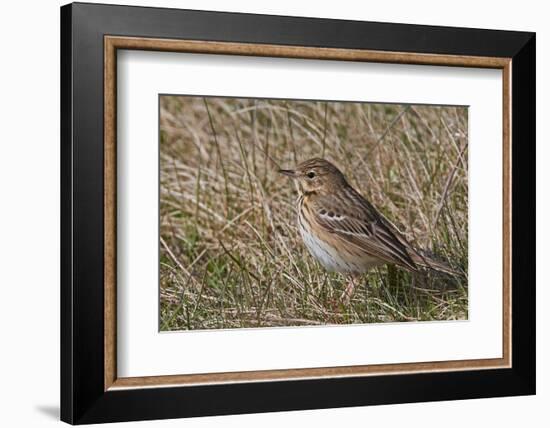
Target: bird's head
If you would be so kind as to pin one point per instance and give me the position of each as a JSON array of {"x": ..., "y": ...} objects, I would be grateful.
[{"x": 316, "y": 175}]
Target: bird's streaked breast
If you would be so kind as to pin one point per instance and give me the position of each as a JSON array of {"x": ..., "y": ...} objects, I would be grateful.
[{"x": 326, "y": 249}]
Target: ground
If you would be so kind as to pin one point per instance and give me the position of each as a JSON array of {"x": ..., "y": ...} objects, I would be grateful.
[{"x": 230, "y": 251}]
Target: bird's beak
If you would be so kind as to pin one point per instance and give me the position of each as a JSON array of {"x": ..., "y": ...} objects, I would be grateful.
[{"x": 288, "y": 172}]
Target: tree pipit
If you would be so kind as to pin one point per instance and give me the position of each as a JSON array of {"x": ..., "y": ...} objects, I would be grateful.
[{"x": 344, "y": 231}]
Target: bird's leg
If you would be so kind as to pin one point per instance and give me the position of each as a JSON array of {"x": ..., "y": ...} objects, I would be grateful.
[{"x": 348, "y": 291}]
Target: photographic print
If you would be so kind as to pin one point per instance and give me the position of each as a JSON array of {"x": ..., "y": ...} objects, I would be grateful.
[
  {"x": 279, "y": 212},
  {"x": 266, "y": 193}
]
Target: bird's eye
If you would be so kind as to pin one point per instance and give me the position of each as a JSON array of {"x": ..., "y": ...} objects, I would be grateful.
[{"x": 310, "y": 174}]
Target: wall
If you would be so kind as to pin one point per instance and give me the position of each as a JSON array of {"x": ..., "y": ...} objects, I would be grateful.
[{"x": 29, "y": 230}]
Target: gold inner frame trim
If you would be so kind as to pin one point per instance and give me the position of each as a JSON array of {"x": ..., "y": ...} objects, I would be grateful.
[{"x": 113, "y": 43}]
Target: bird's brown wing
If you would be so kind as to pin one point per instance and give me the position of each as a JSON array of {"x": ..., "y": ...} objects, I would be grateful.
[{"x": 357, "y": 222}]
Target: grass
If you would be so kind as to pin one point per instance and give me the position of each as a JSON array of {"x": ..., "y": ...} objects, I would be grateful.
[{"x": 231, "y": 254}]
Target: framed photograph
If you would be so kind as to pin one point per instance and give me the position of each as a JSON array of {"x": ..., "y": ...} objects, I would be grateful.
[{"x": 265, "y": 213}]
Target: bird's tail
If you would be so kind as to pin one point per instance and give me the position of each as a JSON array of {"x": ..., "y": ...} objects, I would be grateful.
[{"x": 424, "y": 260}]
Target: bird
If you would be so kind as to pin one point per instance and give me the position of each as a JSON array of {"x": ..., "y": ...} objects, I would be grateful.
[{"x": 344, "y": 232}]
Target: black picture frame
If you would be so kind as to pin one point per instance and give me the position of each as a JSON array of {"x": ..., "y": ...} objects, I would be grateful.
[{"x": 83, "y": 398}]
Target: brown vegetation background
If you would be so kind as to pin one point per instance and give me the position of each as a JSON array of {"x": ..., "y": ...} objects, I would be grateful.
[{"x": 230, "y": 252}]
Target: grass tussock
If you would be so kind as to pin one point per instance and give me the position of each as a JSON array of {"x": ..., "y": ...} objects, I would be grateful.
[{"x": 230, "y": 252}]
